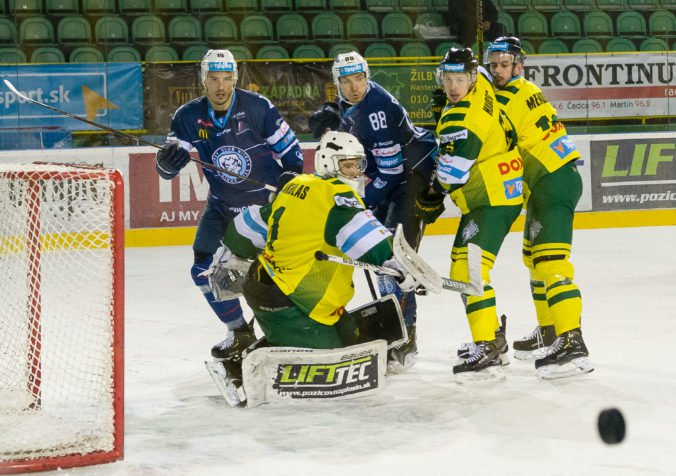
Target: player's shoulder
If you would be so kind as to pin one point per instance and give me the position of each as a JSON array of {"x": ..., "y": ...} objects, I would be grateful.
[
  {"x": 253, "y": 99},
  {"x": 193, "y": 107}
]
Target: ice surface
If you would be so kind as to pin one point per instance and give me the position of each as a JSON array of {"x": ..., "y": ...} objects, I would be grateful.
[{"x": 423, "y": 423}]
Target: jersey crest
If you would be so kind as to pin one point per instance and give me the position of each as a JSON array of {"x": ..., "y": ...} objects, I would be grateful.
[{"x": 232, "y": 159}]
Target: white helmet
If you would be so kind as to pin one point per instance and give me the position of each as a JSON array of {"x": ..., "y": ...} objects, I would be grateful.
[
  {"x": 335, "y": 146},
  {"x": 218, "y": 60},
  {"x": 346, "y": 64}
]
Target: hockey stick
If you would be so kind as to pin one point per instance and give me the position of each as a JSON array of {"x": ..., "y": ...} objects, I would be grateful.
[
  {"x": 127, "y": 136},
  {"x": 473, "y": 288},
  {"x": 480, "y": 30}
]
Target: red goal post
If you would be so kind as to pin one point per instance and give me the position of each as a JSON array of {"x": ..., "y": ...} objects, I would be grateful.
[{"x": 61, "y": 316}]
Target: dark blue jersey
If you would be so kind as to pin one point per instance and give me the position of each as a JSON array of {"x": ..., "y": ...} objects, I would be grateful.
[
  {"x": 393, "y": 145},
  {"x": 245, "y": 140}
]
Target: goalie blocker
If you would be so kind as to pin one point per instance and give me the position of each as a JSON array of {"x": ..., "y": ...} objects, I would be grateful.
[{"x": 271, "y": 374}]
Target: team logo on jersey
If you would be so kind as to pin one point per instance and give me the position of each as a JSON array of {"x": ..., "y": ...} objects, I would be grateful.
[
  {"x": 445, "y": 138},
  {"x": 513, "y": 188},
  {"x": 347, "y": 202},
  {"x": 203, "y": 134},
  {"x": 234, "y": 160},
  {"x": 201, "y": 122},
  {"x": 562, "y": 146},
  {"x": 470, "y": 230},
  {"x": 534, "y": 229}
]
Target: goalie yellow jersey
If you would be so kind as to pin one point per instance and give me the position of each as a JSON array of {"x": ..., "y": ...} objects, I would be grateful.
[
  {"x": 313, "y": 214},
  {"x": 478, "y": 163},
  {"x": 543, "y": 142}
]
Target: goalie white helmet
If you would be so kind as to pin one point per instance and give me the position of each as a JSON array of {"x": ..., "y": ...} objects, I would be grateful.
[
  {"x": 335, "y": 149},
  {"x": 218, "y": 60},
  {"x": 346, "y": 64}
]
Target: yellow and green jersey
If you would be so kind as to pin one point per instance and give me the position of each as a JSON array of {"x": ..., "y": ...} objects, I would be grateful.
[
  {"x": 478, "y": 163},
  {"x": 543, "y": 142},
  {"x": 311, "y": 214}
]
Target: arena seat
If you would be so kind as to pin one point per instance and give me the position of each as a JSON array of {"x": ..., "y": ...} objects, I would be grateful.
[
  {"x": 327, "y": 26},
  {"x": 566, "y": 24},
  {"x": 272, "y": 52},
  {"x": 308, "y": 51},
  {"x": 86, "y": 54},
  {"x": 363, "y": 26},
  {"x": 161, "y": 53},
  {"x": 553, "y": 46},
  {"x": 380, "y": 50},
  {"x": 111, "y": 29},
  {"x": 587, "y": 45},
  {"x": 184, "y": 29},
  {"x": 37, "y": 30},
  {"x": 74, "y": 30},
  {"x": 598, "y": 24},
  {"x": 292, "y": 27},
  {"x": 123, "y": 54},
  {"x": 532, "y": 24},
  {"x": 220, "y": 29},
  {"x": 47, "y": 54}
]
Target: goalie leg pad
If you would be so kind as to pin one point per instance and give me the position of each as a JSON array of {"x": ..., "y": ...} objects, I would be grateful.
[{"x": 285, "y": 374}]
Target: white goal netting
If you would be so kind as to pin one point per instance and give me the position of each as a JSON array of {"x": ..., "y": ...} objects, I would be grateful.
[{"x": 61, "y": 278}]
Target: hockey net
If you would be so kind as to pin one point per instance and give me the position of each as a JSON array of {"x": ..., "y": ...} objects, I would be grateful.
[{"x": 61, "y": 316}]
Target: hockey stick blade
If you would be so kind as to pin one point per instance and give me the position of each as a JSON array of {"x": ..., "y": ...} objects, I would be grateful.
[{"x": 130, "y": 137}]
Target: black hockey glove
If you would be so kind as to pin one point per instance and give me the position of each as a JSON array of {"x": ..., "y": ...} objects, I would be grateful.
[
  {"x": 429, "y": 205},
  {"x": 171, "y": 159},
  {"x": 327, "y": 117},
  {"x": 283, "y": 179},
  {"x": 438, "y": 102}
]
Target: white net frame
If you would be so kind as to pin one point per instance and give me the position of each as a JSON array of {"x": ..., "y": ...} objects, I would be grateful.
[{"x": 61, "y": 316}]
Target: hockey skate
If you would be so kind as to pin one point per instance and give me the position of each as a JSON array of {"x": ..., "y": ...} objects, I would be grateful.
[
  {"x": 567, "y": 356},
  {"x": 534, "y": 345},
  {"x": 234, "y": 343},
  {"x": 483, "y": 365},
  {"x": 406, "y": 354},
  {"x": 468, "y": 348},
  {"x": 227, "y": 375}
]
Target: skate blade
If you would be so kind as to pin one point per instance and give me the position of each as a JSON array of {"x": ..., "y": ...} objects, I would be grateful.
[
  {"x": 530, "y": 354},
  {"x": 233, "y": 396},
  {"x": 487, "y": 375},
  {"x": 504, "y": 358},
  {"x": 579, "y": 366},
  {"x": 396, "y": 364}
]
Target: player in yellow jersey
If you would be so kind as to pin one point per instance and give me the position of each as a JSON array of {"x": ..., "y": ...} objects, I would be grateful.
[
  {"x": 480, "y": 168},
  {"x": 552, "y": 189}
]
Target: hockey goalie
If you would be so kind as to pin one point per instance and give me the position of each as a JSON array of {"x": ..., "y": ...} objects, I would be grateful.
[{"x": 312, "y": 347}]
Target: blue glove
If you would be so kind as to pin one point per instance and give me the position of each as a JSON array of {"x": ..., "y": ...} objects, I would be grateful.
[
  {"x": 327, "y": 117},
  {"x": 171, "y": 159}
]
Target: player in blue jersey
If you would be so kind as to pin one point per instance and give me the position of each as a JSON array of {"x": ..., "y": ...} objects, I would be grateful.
[
  {"x": 400, "y": 160},
  {"x": 239, "y": 131}
]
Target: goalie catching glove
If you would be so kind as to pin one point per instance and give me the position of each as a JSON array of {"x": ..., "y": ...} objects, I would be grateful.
[{"x": 226, "y": 274}]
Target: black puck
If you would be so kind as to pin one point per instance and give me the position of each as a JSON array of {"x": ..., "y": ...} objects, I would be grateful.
[{"x": 611, "y": 426}]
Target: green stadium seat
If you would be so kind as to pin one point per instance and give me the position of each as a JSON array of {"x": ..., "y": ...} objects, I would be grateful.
[
  {"x": 308, "y": 51},
  {"x": 240, "y": 52},
  {"x": 98, "y": 7},
  {"x": 26, "y": 7},
  {"x": 533, "y": 24},
  {"x": 611, "y": 5},
  {"x": 380, "y": 50},
  {"x": 37, "y": 30},
  {"x": 241, "y": 5},
  {"x": 344, "y": 6},
  {"x": 7, "y": 31},
  {"x": 396, "y": 25},
  {"x": 662, "y": 23},
  {"x": 668, "y": 5},
  {"x": 220, "y": 29},
  {"x": 631, "y": 24},
  {"x": 587, "y": 45},
  {"x": 341, "y": 48},
  {"x": 134, "y": 7},
  {"x": 363, "y": 26},
  {"x": 566, "y": 24},
  {"x": 643, "y": 4},
  {"x": 148, "y": 29},
  {"x": 327, "y": 26},
  {"x": 47, "y": 54},
  {"x": 123, "y": 54},
  {"x": 598, "y": 24},
  {"x": 431, "y": 26},
  {"x": 653, "y": 44},
  {"x": 158, "y": 53},
  {"x": 85, "y": 54},
  {"x": 383, "y": 6},
  {"x": 527, "y": 46},
  {"x": 277, "y": 5},
  {"x": 440, "y": 5},
  {"x": 74, "y": 30},
  {"x": 443, "y": 47},
  {"x": 170, "y": 7},
  {"x": 545, "y": 5},
  {"x": 11, "y": 55},
  {"x": 184, "y": 29},
  {"x": 552, "y": 47},
  {"x": 256, "y": 28},
  {"x": 195, "y": 52},
  {"x": 579, "y": 5},
  {"x": 61, "y": 7},
  {"x": 514, "y": 5},
  {"x": 272, "y": 52},
  {"x": 292, "y": 27},
  {"x": 111, "y": 29},
  {"x": 415, "y": 49},
  {"x": 620, "y": 45},
  {"x": 414, "y": 5},
  {"x": 2, "y": 7},
  {"x": 311, "y": 6},
  {"x": 206, "y": 6},
  {"x": 506, "y": 19}
]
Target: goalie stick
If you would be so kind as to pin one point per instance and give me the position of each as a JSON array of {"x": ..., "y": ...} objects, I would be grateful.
[{"x": 138, "y": 140}]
